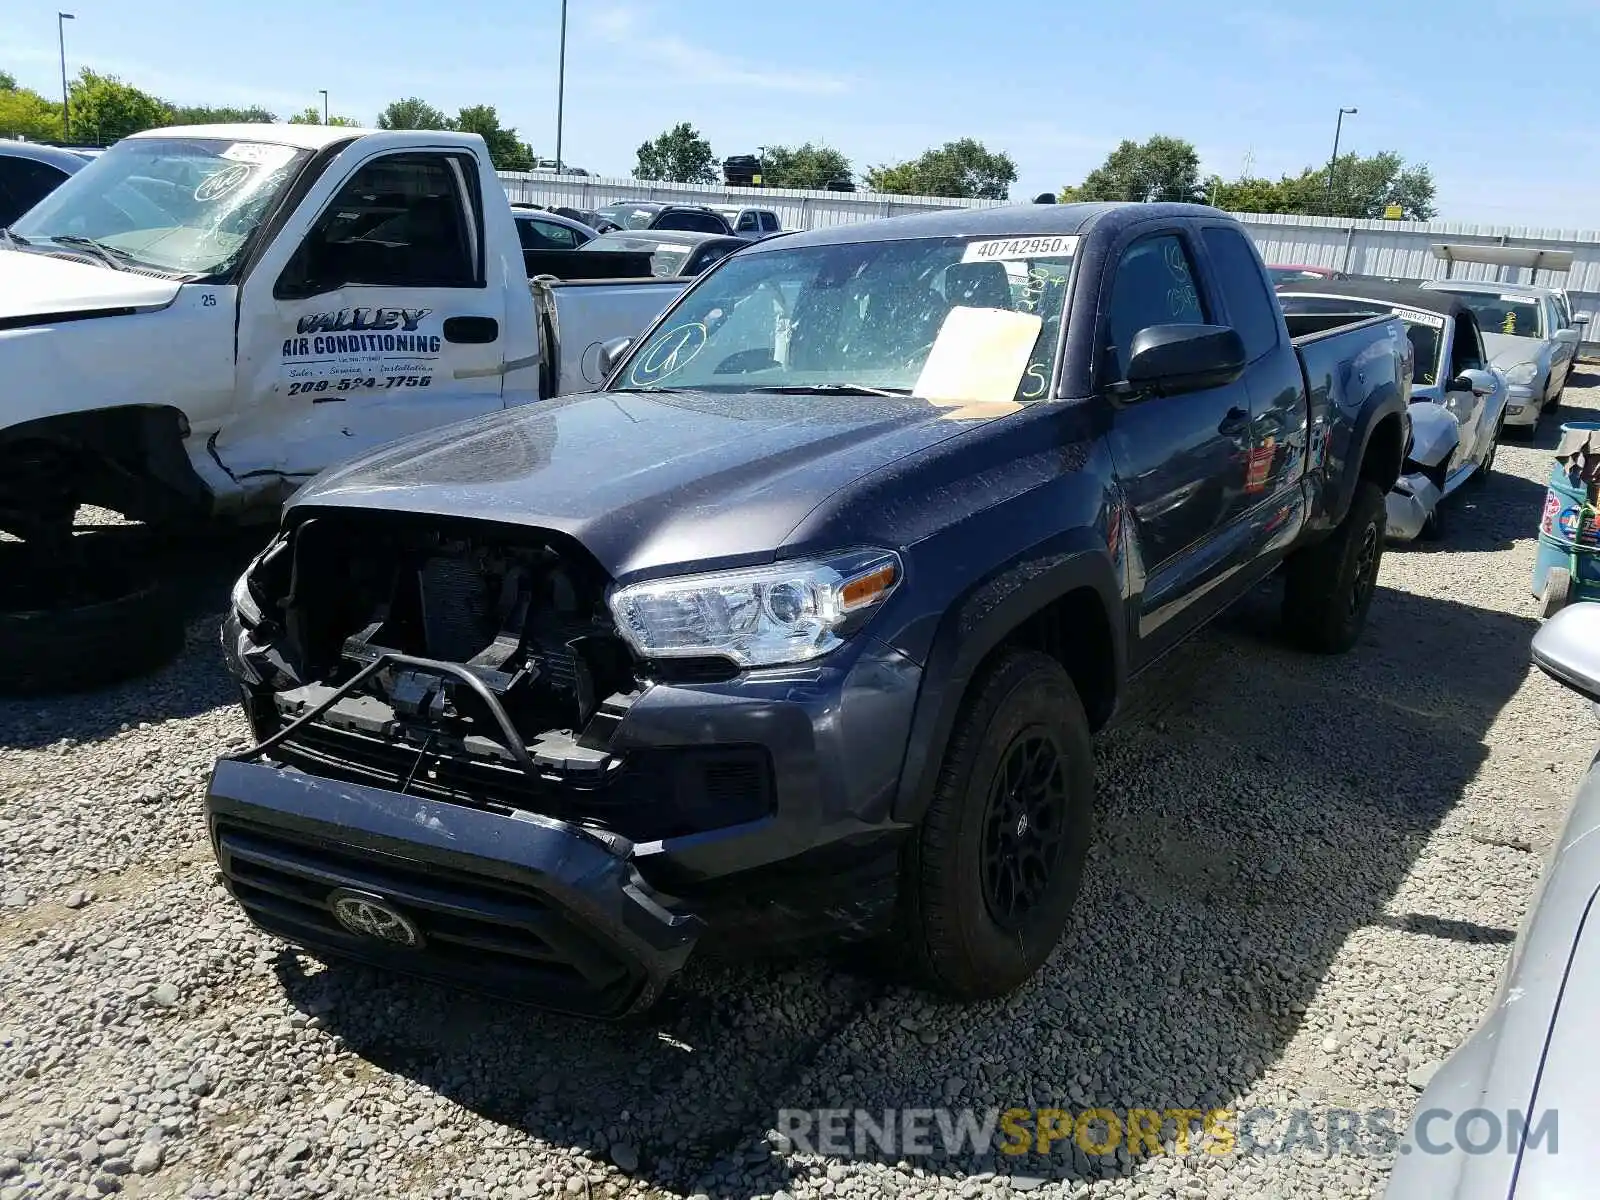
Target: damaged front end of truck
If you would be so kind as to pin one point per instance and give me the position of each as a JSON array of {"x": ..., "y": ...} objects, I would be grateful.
[{"x": 435, "y": 786}]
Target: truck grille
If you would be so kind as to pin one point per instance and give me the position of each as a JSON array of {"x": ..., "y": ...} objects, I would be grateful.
[
  {"x": 506, "y": 940},
  {"x": 656, "y": 794}
]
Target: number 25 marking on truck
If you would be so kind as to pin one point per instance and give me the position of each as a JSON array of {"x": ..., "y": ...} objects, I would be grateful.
[{"x": 208, "y": 299}]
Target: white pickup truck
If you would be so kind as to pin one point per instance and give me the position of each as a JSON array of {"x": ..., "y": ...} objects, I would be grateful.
[{"x": 205, "y": 317}]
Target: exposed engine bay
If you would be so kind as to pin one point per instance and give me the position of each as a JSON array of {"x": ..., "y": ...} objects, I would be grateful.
[{"x": 445, "y": 658}]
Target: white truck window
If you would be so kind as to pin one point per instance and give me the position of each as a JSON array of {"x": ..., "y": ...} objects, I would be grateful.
[{"x": 401, "y": 221}]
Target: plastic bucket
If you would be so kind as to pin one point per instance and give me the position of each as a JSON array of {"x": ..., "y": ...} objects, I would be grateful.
[{"x": 1561, "y": 538}]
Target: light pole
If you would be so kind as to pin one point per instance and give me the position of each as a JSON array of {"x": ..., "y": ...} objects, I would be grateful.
[
  {"x": 61, "y": 39},
  {"x": 561, "y": 83},
  {"x": 324, "y": 92},
  {"x": 1338, "y": 127}
]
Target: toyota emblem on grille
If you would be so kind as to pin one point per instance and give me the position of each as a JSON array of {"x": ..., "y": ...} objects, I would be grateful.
[{"x": 372, "y": 916}]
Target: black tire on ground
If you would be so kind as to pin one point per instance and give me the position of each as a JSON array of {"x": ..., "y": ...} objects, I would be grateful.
[
  {"x": 1481, "y": 475},
  {"x": 1329, "y": 587},
  {"x": 1437, "y": 525},
  {"x": 990, "y": 875},
  {"x": 1557, "y": 592},
  {"x": 124, "y": 625}
]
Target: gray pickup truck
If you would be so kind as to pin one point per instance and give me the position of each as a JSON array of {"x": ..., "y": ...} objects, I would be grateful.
[{"x": 802, "y": 623}]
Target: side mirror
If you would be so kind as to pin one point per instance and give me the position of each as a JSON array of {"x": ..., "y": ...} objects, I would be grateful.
[
  {"x": 1479, "y": 383},
  {"x": 1171, "y": 359},
  {"x": 1581, "y": 318},
  {"x": 1567, "y": 648},
  {"x": 611, "y": 353},
  {"x": 1569, "y": 337}
]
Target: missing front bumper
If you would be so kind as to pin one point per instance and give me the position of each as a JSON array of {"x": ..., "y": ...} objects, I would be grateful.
[{"x": 519, "y": 906}]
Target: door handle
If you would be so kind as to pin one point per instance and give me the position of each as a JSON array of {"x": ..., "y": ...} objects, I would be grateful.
[
  {"x": 471, "y": 331},
  {"x": 1235, "y": 420}
]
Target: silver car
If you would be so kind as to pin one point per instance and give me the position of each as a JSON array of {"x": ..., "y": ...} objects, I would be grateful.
[
  {"x": 1510, "y": 1114},
  {"x": 1527, "y": 335}
]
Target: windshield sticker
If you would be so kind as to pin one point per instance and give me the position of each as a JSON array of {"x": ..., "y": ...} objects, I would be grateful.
[
  {"x": 1431, "y": 320},
  {"x": 220, "y": 183},
  {"x": 256, "y": 152},
  {"x": 977, "y": 361},
  {"x": 671, "y": 352},
  {"x": 1000, "y": 249},
  {"x": 1516, "y": 300},
  {"x": 335, "y": 354}
]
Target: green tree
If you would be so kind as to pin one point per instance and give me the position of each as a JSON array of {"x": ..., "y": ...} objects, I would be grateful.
[
  {"x": 25, "y": 113},
  {"x": 506, "y": 151},
  {"x": 1361, "y": 186},
  {"x": 1160, "y": 168},
  {"x": 965, "y": 168},
  {"x": 8, "y": 82},
  {"x": 208, "y": 114},
  {"x": 104, "y": 109},
  {"x": 807, "y": 166},
  {"x": 412, "y": 113},
  {"x": 680, "y": 155},
  {"x": 313, "y": 116}
]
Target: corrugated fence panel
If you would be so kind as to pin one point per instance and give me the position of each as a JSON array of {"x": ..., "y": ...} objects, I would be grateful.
[{"x": 1397, "y": 249}]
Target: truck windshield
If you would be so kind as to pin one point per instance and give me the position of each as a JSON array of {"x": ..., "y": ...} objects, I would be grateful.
[
  {"x": 188, "y": 206},
  {"x": 870, "y": 315}
]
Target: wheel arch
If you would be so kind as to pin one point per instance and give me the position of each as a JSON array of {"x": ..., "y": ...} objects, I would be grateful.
[
  {"x": 1064, "y": 602},
  {"x": 131, "y": 459}
]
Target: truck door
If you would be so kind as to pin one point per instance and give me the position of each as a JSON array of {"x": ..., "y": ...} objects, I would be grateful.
[
  {"x": 370, "y": 318},
  {"x": 1279, "y": 416},
  {"x": 1181, "y": 460}
]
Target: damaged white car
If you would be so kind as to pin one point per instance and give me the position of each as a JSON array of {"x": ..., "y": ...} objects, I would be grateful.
[{"x": 1458, "y": 400}]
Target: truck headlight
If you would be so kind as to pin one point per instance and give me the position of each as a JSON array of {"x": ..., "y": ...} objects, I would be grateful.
[
  {"x": 787, "y": 612},
  {"x": 1523, "y": 374},
  {"x": 243, "y": 599}
]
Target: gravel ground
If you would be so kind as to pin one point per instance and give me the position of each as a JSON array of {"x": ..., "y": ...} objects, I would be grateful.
[{"x": 1307, "y": 876}]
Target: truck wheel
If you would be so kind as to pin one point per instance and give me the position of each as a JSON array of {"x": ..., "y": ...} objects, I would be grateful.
[
  {"x": 72, "y": 628},
  {"x": 991, "y": 873},
  {"x": 1329, "y": 586}
]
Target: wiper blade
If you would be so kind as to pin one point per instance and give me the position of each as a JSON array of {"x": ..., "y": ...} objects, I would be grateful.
[
  {"x": 836, "y": 389},
  {"x": 106, "y": 254},
  {"x": 13, "y": 239}
]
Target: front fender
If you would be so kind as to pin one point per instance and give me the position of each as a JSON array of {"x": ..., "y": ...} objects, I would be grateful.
[{"x": 986, "y": 615}]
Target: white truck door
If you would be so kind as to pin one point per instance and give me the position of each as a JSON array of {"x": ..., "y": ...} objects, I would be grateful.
[{"x": 373, "y": 316}]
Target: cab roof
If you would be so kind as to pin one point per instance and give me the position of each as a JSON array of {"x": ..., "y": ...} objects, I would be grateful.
[
  {"x": 1376, "y": 291},
  {"x": 1006, "y": 220}
]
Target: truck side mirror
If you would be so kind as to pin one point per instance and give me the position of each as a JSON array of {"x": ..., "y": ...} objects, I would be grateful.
[
  {"x": 1569, "y": 337},
  {"x": 1479, "y": 383},
  {"x": 1567, "y": 648},
  {"x": 1171, "y": 359},
  {"x": 611, "y": 354}
]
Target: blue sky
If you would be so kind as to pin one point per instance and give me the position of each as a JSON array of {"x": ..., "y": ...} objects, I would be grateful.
[{"x": 1056, "y": 85}]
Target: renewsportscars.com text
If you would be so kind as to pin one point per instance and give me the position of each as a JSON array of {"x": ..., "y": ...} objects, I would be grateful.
[{"x": 1145, "y": 1132}]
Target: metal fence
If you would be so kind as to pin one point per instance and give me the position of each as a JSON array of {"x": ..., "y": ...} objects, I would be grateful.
[{"x": 1392, "y": 249}]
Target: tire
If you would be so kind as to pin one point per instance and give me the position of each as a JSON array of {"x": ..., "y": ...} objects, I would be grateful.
[
  {"x": 969, "y": 928},
  {"x": 1557, "y": 592},
  {"x": 1329, "y": 586},
  {"x": 1481, "y": 476},
  {"x": 72, "y": 631},
  {"x": 1436, "y": 526}
]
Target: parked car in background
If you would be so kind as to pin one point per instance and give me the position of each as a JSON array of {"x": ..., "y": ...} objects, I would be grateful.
[
  {"x": 1458, "y": 400},
  {"x": 1531, "y": 1063},
  {"x": 1294, "y": 273},
  {"x": 547, "y": 166},
  {"x": 751, "y": 224},
  {"x": 30, "y": 172},
  {"x": 800, "y": 626},
  {"x": 672, "y": 253},
  {"x": 648, "y": 214},
  {"x": 1524, "y": 334},
  {"x": 544, "y": 229}
]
